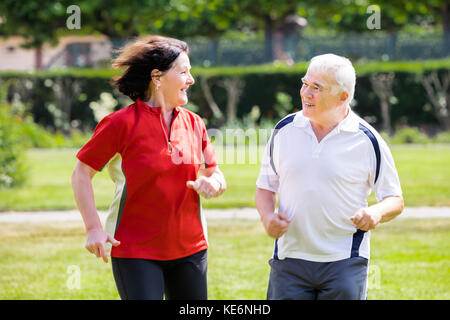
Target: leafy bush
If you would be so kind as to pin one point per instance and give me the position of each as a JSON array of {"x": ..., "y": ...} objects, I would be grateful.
[
  {"x": 36, "y": 136},
  {"x": 284, "y": 104},
  {"x": 76, "y": 139},
  {"x": 442, "y": 137},
  {"x": 12, "y": 149},
  {"x": 409, "y": 135}
]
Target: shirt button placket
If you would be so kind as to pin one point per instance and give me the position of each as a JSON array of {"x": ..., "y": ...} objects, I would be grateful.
[{"x": 316, "y": 151}]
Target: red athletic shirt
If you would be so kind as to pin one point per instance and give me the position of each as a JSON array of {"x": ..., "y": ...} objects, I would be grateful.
[{"x": 157, "y": 216}]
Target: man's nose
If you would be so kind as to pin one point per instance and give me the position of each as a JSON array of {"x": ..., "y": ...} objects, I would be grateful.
[{"x": 305, "y": 92}]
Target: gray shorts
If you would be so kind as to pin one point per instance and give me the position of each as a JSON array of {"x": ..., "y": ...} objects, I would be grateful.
[{"x": 297, "y": 279}]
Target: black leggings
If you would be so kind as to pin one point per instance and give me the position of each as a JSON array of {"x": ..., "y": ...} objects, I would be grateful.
[{"x": 180, "y": 279}]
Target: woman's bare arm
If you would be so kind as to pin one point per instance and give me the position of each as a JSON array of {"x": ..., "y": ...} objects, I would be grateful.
[{"x": 84, "y": 196}]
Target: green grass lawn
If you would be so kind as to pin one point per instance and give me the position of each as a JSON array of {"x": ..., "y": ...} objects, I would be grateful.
[
  {"x": 424, "y": 174},
  {"x": 410, "y": 260}
]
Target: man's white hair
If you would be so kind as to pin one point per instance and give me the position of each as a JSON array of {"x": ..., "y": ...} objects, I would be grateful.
[{"x": 340, "y": 68}]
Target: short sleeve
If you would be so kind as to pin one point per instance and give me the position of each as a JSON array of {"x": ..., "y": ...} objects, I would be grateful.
[
  {"x": 209, "y": 154},
  {"x": 267, "y": 179},
  {"x": 102, "y": 146},
  {"x": 388, "y": 182}
]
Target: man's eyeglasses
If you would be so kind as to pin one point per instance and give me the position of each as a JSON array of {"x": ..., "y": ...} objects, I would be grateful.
[{"x": 314, "y": 85}]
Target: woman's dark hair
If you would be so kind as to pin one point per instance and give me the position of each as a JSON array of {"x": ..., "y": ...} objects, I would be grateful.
[{"x": 140, "y": 58}]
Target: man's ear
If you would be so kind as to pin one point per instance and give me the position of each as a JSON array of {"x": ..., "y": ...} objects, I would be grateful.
[{"x": 344, "y": 96}]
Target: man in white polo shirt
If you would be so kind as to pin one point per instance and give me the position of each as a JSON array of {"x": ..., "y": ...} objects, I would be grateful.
[{"x": 323, "y": 162}]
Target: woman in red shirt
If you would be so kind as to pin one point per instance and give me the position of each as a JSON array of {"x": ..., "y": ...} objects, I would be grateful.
[{"x": 160, "y": 158}]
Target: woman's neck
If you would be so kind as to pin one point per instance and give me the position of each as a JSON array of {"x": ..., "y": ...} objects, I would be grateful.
[{"x": 166, "y": 110}]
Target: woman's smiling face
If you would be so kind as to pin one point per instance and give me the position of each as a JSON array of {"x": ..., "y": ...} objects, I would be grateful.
[{"x": 175, "y": 82}]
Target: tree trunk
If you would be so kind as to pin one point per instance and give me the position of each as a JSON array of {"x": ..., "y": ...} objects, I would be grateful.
[
  {"x": 234, "y": 87},
  {"x": 66, "y": 93},
  {"x": 386, "y": 115},
  {"x": 38, "y": 58},
  {"x": 209, "y": 98},
  {"x": 382, "y": 85},
  {"x": 439, "y": 96}
]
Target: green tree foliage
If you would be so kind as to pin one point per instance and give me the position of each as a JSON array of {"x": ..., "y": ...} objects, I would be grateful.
[
  {"x": 43, "y": 21},
  {"x": 348, "y": 15},
  {"x": 36, "y": 21},
  {"x": 210, "y": 18}
]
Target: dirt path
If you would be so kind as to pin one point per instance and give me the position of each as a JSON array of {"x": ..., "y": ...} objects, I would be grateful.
[{"x": 238, "y": 213}]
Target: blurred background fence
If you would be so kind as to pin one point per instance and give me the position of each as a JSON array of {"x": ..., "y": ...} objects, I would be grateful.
[
  {"x": 91, "y": 52},
  {"x": 378, "y": 46}
]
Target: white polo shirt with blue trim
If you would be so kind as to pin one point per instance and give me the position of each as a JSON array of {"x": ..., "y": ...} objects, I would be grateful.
[{"x": 321, "y": 185}]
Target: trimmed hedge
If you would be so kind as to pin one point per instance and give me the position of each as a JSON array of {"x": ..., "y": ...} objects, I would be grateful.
[{"x": 37, "y": 91}]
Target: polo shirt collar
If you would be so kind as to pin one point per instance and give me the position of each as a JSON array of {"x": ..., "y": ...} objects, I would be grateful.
[
  {"x": 349, "y": 124},
  {"x": 300, "y": 120},
  {"x": 157, "y": 110}
]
